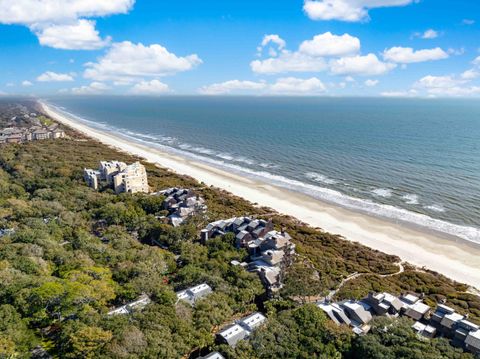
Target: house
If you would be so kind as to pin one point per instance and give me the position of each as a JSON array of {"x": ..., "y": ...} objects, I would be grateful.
[
  {"x": 253, "y": 321},
  {"x": 472, "y": 342},
  {"x": 414, "y": 307},
  {"x": 445, "y": 319},
  {"x": 384, "y": 303},
  {"x": 55, "y": 134},
  {"x": 41, "y": 135},
  {"x": 335, "y": 312},
  {"x": 463, "y": 329},
  {"x": 232, "y": 335},
  {"x": 242, "y": 329},
  {"x": 92, "y": 178},
  {"x": 181, "y": 204},
  {"x": 424, "y": 330},
  {"x": 191, "y": 295},
  {"x": 214, "y": 355},
  {"x": 132, "y": 179},
  {"x": 129, "y": 308},
  {"x": 359, "y": 315}
]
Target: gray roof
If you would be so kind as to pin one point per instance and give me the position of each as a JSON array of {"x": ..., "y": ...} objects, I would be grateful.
[
  {"x": 473, "y": 340},
  {"x": 233, "y": 334}
]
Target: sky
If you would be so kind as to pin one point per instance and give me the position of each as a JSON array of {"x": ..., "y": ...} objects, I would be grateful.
[{"x": 392, "y": 48}]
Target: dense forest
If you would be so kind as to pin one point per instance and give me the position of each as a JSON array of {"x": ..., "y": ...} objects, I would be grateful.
[{"x": 74, "y": 254}]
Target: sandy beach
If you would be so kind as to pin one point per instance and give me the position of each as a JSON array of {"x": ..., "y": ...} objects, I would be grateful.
[{"x": 454, "y": 258}]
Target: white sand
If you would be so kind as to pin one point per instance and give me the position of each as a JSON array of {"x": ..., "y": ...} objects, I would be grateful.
[{"x": 454, "y": 258}]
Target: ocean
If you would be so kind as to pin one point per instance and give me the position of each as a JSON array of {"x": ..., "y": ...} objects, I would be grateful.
[{"x": 408, "y": 160}]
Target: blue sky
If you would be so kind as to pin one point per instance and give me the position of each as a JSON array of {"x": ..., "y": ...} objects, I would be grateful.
[{"x": 312, "y": 47}]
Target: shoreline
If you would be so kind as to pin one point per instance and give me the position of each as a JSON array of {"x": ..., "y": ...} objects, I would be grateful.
[{"x": 454, "y": 258}]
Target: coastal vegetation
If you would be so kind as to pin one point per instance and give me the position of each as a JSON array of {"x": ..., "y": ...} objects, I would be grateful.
[{"x": 74, "y": 254}]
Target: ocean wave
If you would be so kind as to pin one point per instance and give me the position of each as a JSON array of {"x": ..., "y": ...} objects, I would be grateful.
[
  {"x": 317, "y": 177},
  {"x": 435, "y": 208},
  {"x": 382, "y": 192},
  {"x": 411, "y": 199},
  {"x": 391, "y": 212}
]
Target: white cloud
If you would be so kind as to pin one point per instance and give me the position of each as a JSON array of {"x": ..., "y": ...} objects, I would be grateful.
[
  {"x": 288, "y": 62},
  {"x": 346, "y": 10},
  {"x": 292, "y": 85},
  {"x": 153, "y": 87},
  {"x": 430, "y": 34},
  {"x": 54, "y": 11},
  {"x": 80, "y": 35},
  {"x": 446, "y": 86},
  {"x": 127, "y": 62},
  {"x": 409, "y": 93},
  {"x": 61, "y": 23},
  {"x": 2, "y": 93},
  {"x": 476, "y": 61},
  {"x": 371, "y": 83},
  {"x": 328, "y": 44},
  {"x": 471, "y": 74},
  {"x": 309, "y": 56},
  {"x": 282, "y": 86},
  {"x": 50, "y": 76},
  {"x": 267, "y": 39},
  {"x": 231, "y": 86},
  {"x": 468, "y": 22},
  {"x": 406, "y": 55},
  {"x": 93, "y": 89},
  {"x": 26, "y": 83},
  {"x": 368, "y": 65}
]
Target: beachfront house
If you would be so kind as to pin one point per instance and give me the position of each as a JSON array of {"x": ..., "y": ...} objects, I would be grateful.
[
  {"x": 129, "y": 308},
  {"x": 122, "y": 177},
  {"x": 133, "y": 179},
  {"x": 414, "y": 308},
  {"x": 472, "y": 342},
  {"x": 384, "y": 303},
  {"x": 191, "y": 295},
  {"x": 181, "y": 203},
  {"x": 241, "y": 330}
]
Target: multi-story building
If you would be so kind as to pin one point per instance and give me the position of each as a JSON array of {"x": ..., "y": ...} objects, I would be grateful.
[
  {"x": 123, "y": 178},
  {"x": 133, "y": 179}
]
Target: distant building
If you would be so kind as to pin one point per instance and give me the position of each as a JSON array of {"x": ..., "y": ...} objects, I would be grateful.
[
  {"x": 191, "y": 295},
  {"x": 41, "y": 135},
  {"x": 123, "y": 178},
  {"x": 92, "y": 177},
  {"x": 270, "y": 251},
  {"x": 241, "y": 330},
  {"x": 181, "y": 203},
  {"x": 133, "y": 179},
  {"x": 129, "y": 308}
]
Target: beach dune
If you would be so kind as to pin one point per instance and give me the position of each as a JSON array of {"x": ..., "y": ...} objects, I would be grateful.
[{"x": 450, "y": 256}]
